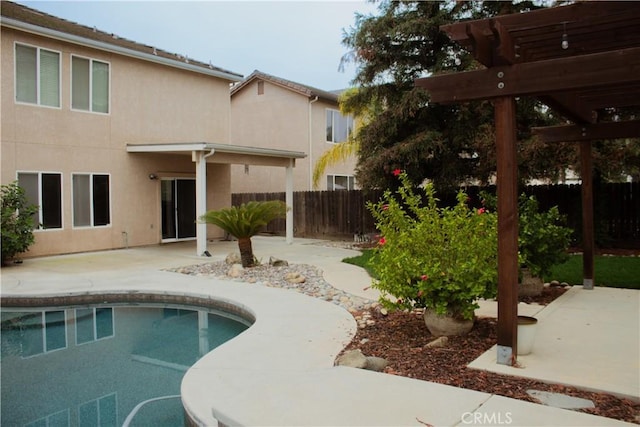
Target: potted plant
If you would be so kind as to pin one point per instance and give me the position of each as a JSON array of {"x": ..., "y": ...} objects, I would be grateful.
[
  {"x": 543, "y": 241},
  {"x": 442, "y": 259}
]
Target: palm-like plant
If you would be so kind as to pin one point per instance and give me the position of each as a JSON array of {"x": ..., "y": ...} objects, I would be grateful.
[{"x": 245, "y": 221}]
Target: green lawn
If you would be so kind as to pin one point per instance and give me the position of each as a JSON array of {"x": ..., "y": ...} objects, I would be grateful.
[{"x": 611, "y": 271}]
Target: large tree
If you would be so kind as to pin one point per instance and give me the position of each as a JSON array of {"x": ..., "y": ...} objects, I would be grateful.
[{"x": 448, "y": 144}]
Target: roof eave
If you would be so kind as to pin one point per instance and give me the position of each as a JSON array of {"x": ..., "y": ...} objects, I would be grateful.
[{"x": 70, "y": 38}]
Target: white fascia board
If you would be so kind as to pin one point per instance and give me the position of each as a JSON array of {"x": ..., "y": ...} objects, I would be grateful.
[
  {"x": 166, "y": 148},
  {"x": 218, "y": 148},
  {"x": 59, "y": 35}
]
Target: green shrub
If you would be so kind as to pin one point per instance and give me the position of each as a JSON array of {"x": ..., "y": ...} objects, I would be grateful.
[
  {"x": 17, "y": 221},
  {"x": 543, "y": 239},
  {"x": 443, "y": 259}
]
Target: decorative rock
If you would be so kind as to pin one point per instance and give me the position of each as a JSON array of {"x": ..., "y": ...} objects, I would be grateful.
[
  {"x": 352, "y": 359},
  {"x": 235, "y": 270},
  {"x": 233, "y": 258},
  {"x": 376, "y": 363},
  {"x": 295, "y": 278},
  {"x": 438, "y": 342},
  {"x": 558, "y": 400},
  {"x": 275, "y": 262},
  {"x": 554, "y": 283},
  {"x": 265, "y": 275},
  {"x": 383, "y": 311}
]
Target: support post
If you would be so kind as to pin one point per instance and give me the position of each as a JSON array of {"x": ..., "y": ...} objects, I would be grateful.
[
  {"x": 201, "y": 201},
  {"x": 507, "y": 191},
  {"x": 289, "y": 202},
  {"x": 586, "y": 172}
]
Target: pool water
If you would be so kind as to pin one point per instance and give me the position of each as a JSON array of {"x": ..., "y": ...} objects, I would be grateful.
[{"x": 93, "y": 366}]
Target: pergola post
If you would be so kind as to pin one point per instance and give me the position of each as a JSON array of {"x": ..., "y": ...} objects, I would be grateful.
[
  {"x": 586, "y": 172},
  {"x": 507, "y": 191}
]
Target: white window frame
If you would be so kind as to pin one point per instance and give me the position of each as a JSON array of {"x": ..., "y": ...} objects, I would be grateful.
[
  {"x": 337, "y": 114},
  {"x": 43, "y": 332},
  {"x": 38, "y": 83},
  {"x": 47, "y": 419},
  {"x": 350, "y": 178},
  {"x": 90, "y": 89},
  {"x": 40, "y": 227},
  {"x": 91, "y": 211},
  {"x": 95, "y": 326},
  {"x": 98, "y": 400}
]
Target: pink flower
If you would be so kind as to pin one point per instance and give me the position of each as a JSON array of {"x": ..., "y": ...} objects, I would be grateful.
[
  {"x": 385, "y": 207},
  {"x": 382, "y": 241},
  {"x": 424, "y": 277},
  {"x": 396, "y": 172},
  {"x": 420, "y": 293},
  {"x": 481, "y": 211}
]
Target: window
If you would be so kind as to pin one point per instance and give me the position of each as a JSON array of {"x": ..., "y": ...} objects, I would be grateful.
[
  {"x": 57, "y": 419},
  {"x": 42, "y": 332},
  {"x": 93, "y": 324},
  {"x": 89, "y": 85},
  {"x": 339, "y": 127},
  {"x": 99, "y": 412},
  {"x": 340, "y": 182},
  {"x": 91, "y": 202},
  {"x": 45, "y": 190},
  {"x": 37, "y": 76}
]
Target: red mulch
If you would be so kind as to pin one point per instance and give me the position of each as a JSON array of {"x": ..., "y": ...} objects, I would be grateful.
[{"x": 401, "y": 338}]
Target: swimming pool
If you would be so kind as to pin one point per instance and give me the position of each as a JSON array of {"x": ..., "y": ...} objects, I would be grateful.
[{"x": 93, "y": 365}]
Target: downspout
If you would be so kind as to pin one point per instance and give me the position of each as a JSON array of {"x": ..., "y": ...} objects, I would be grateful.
[{"x": 311, "y": 145}]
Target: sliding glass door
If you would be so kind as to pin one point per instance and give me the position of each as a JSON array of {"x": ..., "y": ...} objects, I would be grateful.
[{"x": 178, "y": 209}]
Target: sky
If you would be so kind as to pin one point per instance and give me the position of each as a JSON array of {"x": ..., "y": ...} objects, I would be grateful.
[{"x": 299, "y": 40}]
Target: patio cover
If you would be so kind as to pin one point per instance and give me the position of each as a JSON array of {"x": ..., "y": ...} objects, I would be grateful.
[
  {"x": 206, "y": 152},
  {"x": 579, "y": 60}
]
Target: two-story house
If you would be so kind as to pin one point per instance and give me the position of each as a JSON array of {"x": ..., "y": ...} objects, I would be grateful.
[
  {"x": 119, "y": 144},
  {"x": 268, "y": 111}
]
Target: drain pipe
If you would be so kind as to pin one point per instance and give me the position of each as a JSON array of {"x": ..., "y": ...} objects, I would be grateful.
[{"x": 311, "y": 144}]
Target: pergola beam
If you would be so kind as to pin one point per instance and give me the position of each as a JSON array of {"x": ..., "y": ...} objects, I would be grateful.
[
  {"x": 537, "y": 78},
  {"x": 589, "y": 132},
  {"x": 571, "y": 106}
]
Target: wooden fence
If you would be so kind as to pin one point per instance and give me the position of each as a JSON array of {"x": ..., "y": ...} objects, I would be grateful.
[{"x": 343, "y": 214}]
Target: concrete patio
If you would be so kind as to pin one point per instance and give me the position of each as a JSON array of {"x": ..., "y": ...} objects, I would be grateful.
[{"x": 280, "y": 372}]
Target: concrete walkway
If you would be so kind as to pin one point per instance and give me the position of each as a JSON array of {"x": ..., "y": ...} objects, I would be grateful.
[{"x": 280, "y": 371}]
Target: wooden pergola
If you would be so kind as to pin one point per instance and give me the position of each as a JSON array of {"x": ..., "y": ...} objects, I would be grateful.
[{"x": 579, "y": 60}]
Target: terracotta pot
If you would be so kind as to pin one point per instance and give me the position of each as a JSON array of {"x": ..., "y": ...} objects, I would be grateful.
[
  {"x": 530, "y": 286},
  {"x": 440, "y": 325}
]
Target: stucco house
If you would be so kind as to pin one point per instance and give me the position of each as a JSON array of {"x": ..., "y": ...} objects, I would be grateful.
[
  {"x": 269, "y": 112},
  {"x": 120, "y": 144}
]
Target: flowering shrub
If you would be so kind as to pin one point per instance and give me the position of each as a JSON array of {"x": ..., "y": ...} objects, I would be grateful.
[{"x": 438, "y": 258}]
